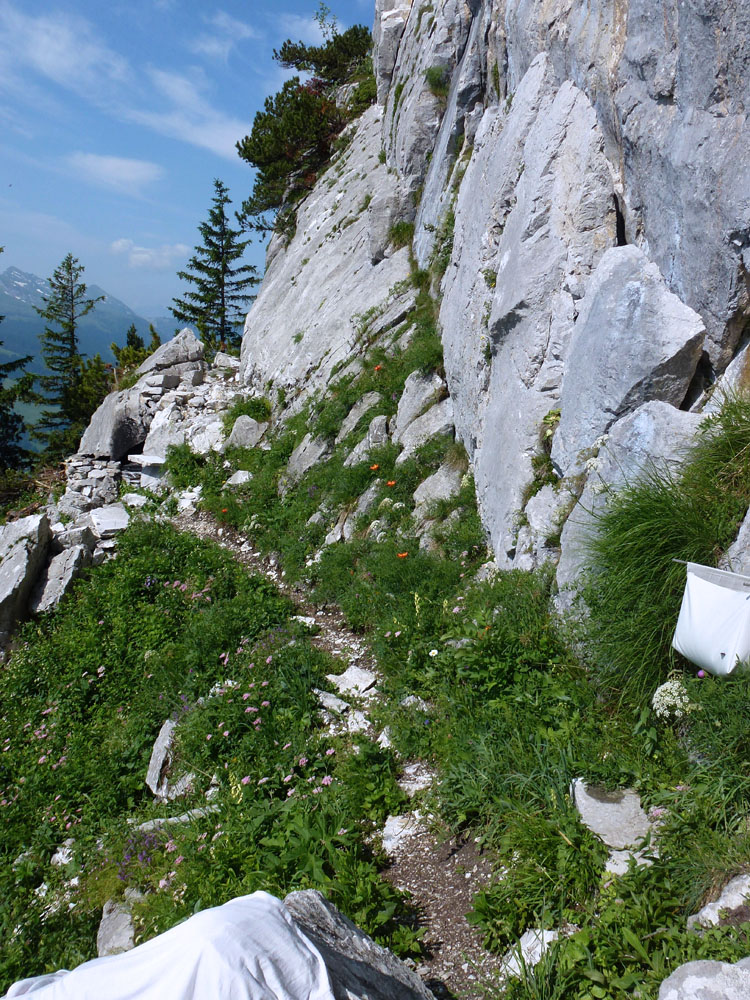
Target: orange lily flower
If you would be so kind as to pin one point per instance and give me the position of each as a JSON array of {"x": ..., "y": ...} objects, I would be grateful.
[{"x": 402, "y": 555}]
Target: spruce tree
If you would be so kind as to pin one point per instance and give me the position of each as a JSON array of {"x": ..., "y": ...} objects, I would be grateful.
[
  {"x": 215, "y": 306},
  {"x": 12, "y": 427},
  {"x": 68, "y": 400}
]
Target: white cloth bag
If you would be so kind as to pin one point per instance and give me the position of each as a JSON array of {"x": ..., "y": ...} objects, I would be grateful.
[
  {"x": 247, "y": 949},
  {"x": 713, "y": 630}
]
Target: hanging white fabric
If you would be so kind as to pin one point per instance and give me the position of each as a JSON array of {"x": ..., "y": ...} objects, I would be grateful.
[
  {"x": 247, "y": 949},
  {"x": 713, "y": 630}
]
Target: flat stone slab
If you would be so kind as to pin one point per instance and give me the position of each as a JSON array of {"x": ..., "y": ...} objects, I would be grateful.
[
  {"x": 708, "y": 981},
  {"x": 331, "y": 703},
  {"x": 136, "y": 500},
  {"x": 735, "y": 893},
  {"x": 616, "y": 817},
  {"x": 618, "y": 862},
  {"x": 116, "y": 932},
  {"x": 145, "y": 461},
  {"x": 110, "y": 520},
  {"x": 239, "y": 478},
  {"x": 354, "y": 680}
]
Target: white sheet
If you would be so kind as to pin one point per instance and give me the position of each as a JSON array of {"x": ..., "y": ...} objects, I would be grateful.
[
  {"x": 713, "y": 630},
  {"x": 247, "y": 949}
]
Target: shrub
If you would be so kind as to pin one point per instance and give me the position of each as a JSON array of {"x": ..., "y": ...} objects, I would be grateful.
[{"x": 438, "y": 80}]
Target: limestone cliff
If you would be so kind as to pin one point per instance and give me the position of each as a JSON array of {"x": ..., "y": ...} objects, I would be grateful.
[{"x": 590, "y": 163}]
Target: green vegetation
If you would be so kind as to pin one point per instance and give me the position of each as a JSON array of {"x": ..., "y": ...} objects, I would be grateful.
[
  {"x": 294, "y": 136},
  {"x": 259, "y": 408},
  {"x": 694, "y": 515},
  {"x": 217, "y": 305},
  {"x": 438, "y": 80},
  {"x": 175, "y": 628},
  {"x": 73, "y": 387},
  {"x": 401, "y": 234}
]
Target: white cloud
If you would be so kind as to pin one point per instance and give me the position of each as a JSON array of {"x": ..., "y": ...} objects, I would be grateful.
[
  {"x": 301, "y": 29},
  {"x": 161, "y": 258},
  {"x": 117, "y": 172},
  {"x": 189, "y": 116},
  {"x": 62, "y": 47},
  {"x": 227, "y": 32}
]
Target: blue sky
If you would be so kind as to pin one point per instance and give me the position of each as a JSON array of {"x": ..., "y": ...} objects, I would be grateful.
[{"x": 115, "y": 117}]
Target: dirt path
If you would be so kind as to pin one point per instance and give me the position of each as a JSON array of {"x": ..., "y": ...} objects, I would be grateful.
[{"x": 440, "y": 873}]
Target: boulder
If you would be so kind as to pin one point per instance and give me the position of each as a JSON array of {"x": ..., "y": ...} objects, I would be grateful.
[
  {"x": 436, "y": 422},
  {"x": 633, "y": 341},
  {"x": 356, "y": 413},
  {"x": 656, "y": 435},
  {"x": 240, "y": 478},
  {"x": 246, "y": 433},
  {"x": 59, "y": 576},
  {"x": 116, "y": 932},
  {"x": 167, "y": 428},
  {"x": 354, "y": 680},
  {"x": 23, "y": 552},
  {"x": 735, "y": 893},
  {"x": 616, "y": 817},
  {"x": 420, "y": 393},
  {"x": 376, "y": 437},
  {"x": 183, "y": 347},
  {"x": 543, "y": 515},
  {"x": 308, "y": 453},
  {"x": 119, "y": 424},
  {"x": 106, "y": 522},
  {"x": 359, "y": 969},
  {"x": 226, "y": 361},
  {"x": 705, "y": 980},
  {"x": 441, "y": 485},
  {"x": 364, "y": 505},
  {"x": 77, "y": 535}
]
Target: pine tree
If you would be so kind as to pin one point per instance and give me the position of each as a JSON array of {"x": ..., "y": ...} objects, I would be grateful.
[
  {"x": 216, "y": 304},
  {"x": 12, "y": 426},
  {"x": 68, "y": 405}
]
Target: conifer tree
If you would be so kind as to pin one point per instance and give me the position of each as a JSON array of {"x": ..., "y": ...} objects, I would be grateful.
[
  {"x": 12, "y": 455},
  {"x": 221, "y": 288},
  {"x": 67, "y": 389}
]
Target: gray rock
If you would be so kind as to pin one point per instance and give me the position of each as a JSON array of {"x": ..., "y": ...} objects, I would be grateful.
[
  {"x": 336, "y": 534},
  {"x": 23, "y": 552},
  {"x": 629, "y": 315},
  {"x": 77, "y": 535},
  {"x": 535, "y": 212},
  {"x": 356, "y": 413},
  {"x": 222, "y": 360},
  {"x": 183, "y": 347},
  {"x": 359, "y": 969},
  {"x": 615, "y": 817},
  {"x": 441, "y": 485},
  {"x": 655, "y": 436},
  {"x": 323, "y": 283},
  {"x": 136, "y": 500},
  {"x": 532, "y": 946},
  {"x": 167, "y": 428},
  {"x": 544, "y": 513},
  {"x": 116, "y": 932},
  {"x": 331, "y": 703},
  {"x": 436, "y": 422},
  {"x": 119, "y": 424},
  {"x": 618, "y": 862},
  {"x": 376, "y": 437},
  {"x": 161, "y": 760},
  {"x": 161, "y": 822},
  {"x": 239, "y": 478},
  {"x": 390, "y": 19},
  {"x": 420, "y": 393},
  {"x": 106, "y": 522},
  {"x": 704, "y": 980},
  {"x": 364, "y": 505},
  {"x": 734, "y": 894},
  {"x": 737, "y": 557},
  {"x": 64, "y": 854},
  {"x": 354, "y": 680},
  {"x": 416, "y": 777},
  {"x": 246, "y": 433},
  {"x": 308, "y": 453},
  {"x": 59, "y": 577},
  {"x": 734, "y": 381}
]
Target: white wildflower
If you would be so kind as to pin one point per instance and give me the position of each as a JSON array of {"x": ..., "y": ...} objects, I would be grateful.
[
  {"x": 671, "y": 700},
  {"x": 592, "y": 464}
]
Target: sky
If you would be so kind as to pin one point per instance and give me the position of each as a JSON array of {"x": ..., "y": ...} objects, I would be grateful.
[{"x": 115, "y": 118}]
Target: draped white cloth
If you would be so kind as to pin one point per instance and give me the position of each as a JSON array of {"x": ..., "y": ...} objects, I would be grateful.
[
  {"x": 247, "y": 949},
  {"x": 713, "y": 630}
]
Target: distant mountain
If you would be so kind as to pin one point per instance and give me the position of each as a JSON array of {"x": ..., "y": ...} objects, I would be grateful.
[{"x": 108, "y": 321}]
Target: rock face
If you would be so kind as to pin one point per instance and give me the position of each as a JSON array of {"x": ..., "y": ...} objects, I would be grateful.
[
  {"x": 656, "y": 435},
  {"x": 735, "y": 893},
  {"x": 633, "y": 341},
  {"x": 708, "y": 981},
  {"x": 23, "y": 552},
  {"x": 359, "y": 969}
]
